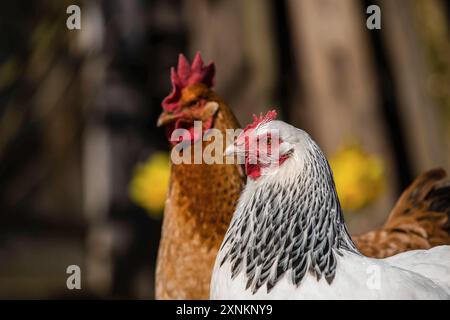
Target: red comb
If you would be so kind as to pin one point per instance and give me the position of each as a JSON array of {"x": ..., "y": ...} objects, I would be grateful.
[
  {"x": 186, "y": 75},
  {"x": 271, "y": 115}
]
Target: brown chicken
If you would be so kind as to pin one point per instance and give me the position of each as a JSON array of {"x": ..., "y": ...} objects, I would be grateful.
[
  {"x": 202, "y": 197},
  {"x": 419, "y": 220}
]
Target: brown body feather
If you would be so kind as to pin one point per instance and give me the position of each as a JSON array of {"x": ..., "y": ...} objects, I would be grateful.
[
  {"x": 200, "y": 204},
  {"x": 419, "y": 220}
]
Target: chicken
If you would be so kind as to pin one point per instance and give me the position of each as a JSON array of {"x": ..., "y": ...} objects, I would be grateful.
[
  {"x": 419, "y": 220},
  {"x": 201, "y": 197},
  {"x": 288, "y": 238}
]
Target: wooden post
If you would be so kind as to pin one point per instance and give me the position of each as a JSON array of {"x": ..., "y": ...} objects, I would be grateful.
[
  {"x": 423, "y": 128},
  {"x": 238, "y": 36},
  {"x": 339, "y": 87}
]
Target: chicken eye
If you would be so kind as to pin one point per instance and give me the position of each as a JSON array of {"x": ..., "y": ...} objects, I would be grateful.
[{"x": 192, "y": 103}]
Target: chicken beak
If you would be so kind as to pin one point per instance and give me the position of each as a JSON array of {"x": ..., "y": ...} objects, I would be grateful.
[
  {"x": 210, "y": 109},
  {"x": 236, "y": 148},
  {"x": 230, "y": 150},
  {"x": 165, "y": 118},
  {"x": 204, "y": 114}
]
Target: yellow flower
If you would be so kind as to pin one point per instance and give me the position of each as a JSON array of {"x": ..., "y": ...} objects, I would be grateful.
[
  {"x": 149, "y": 184},
  {"x": 359, "y": 176}
]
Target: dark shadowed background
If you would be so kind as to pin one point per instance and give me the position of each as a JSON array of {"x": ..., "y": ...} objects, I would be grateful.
[{"x": 78, "y": 110}]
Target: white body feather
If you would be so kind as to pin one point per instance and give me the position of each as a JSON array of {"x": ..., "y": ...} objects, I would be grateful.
[{"x": 418, "y": 274}]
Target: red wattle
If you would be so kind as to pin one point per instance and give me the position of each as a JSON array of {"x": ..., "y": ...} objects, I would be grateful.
[{"x": 252, "y": 170}]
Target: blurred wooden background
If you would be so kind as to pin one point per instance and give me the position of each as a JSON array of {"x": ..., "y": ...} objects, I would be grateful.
[{"x": 78, "y": 108}]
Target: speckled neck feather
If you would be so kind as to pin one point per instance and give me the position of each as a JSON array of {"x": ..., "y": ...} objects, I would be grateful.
[{"x": 291, "y": 224}]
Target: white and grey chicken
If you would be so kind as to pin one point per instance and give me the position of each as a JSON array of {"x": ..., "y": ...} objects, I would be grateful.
[{"x": 288, "y": 238}]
